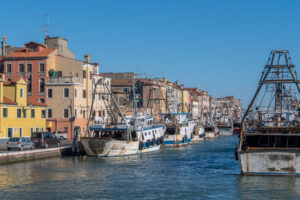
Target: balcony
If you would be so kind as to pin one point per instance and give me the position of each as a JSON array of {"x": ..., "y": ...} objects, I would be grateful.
[
  {"x": 42, "y": 73},
  {"x": 21, "y": 73},
  {"x": 64, "y": 80}
]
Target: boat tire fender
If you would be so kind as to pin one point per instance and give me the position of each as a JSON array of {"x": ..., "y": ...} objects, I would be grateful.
[
  {"x": 153, "y": 142},
  {"x": 148, "y": 143},
  {"x": 141, "y": 145},
  {"x": 158, "y": 141}
]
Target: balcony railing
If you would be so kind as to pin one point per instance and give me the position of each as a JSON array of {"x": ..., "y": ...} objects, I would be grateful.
[
  {"x": 21, "y": 73},
  {"x": 64, "y": 79},
  {"x": 42, "y": 73}
]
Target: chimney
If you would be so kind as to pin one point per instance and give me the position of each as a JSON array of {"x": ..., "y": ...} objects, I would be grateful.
[
  {"x": 4, "y": 46},
  {"x": 87, "y": 58}
]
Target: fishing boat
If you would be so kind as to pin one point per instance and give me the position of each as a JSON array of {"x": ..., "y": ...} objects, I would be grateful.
[
  {"x": 179, "y": 129},
  {"x": 133, "y": 135},
  {"x": 137, "y": 136},
  {"x": 270, "y": 134},
  {"x": 198, "y": 134},
  {"x": 211, "y": 131}
]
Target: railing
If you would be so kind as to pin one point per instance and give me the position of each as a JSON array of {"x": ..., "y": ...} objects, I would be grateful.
[
  {"x": 41, "y": 73},
  {"x": 21, "y": 73},
  {"x": 64, "y": 79}
]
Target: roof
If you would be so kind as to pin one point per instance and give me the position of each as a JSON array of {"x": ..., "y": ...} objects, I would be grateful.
[
  {"x": 121, "y": 82},
  {"x": 19, "y": 54},
  {"x": 35, "y": 103},
  {"x": 8, "y": 101}
]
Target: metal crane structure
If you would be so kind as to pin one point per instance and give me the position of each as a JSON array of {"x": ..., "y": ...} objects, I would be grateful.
[{"x": 280, "y": 84}]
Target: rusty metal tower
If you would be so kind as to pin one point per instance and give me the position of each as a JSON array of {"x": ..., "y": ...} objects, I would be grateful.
[{"x": 278, "y": 76}]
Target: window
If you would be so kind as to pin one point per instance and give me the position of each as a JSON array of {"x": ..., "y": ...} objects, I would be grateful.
[
  {"x": 29, "y": 67},
  {"x": 42, "y": 100},
  {"x": 31, "y": 131},
  {"x": 49, "y": 113},
  {"x": 83, "y": 73},
  {"x": 66, "y": 92},
  {"x": 42, "y": 67},
  {"x": 43, "y": 113},
  {"x": 90, "y": 75},
  {"x": 21, "y": 93},
  {"x": 59, "y": 74},
  {"x": 99, "y": 113},
  {"x": 66, "y": 113},
  {"x": 75, "y": 92},
  {"x": 24, "y": 113},
  {"x": 32, "y": 113},
  {"x": 21, "y": 132},
  {"x": 49, "y": 93},
  {"x": 42, "y": 85},
  {"x": 19, "y": 113},
  {"x": 83, "y": 114},
  {"x": 21, "y": 67},
  {"x": 75, "y": 113},
  {"x": 8, "y": 68},
  {"x": 10, "y": 132},
  {"x": 83, "y": 93},
  {"x": 5, "y": 113},
  {"x": 29, "y": 85}
]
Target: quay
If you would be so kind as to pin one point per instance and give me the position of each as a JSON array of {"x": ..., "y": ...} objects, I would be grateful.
[{"x": 7, "y": 157}]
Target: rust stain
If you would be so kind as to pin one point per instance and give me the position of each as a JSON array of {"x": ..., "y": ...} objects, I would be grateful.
[{"x": 247, "y": 162}]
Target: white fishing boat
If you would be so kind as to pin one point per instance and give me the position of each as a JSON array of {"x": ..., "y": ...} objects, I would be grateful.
[
  {"x": 134, "y": 134},
  {"x": 179, "y": 129},
  {"x": 120, "y": 140},
  {"x": 198, "y": 134},
  {"x": 211, "y": 132}
]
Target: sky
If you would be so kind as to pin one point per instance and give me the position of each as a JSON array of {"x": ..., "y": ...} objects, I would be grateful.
[{"x": 216, "y": 45}]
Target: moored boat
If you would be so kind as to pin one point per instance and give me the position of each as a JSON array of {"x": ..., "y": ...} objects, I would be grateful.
[
  {"x": 270, "y": 135},
  {"x": 198, "y": 134},
  {"x": 179, "y": 129},
  {"x": 211, "y": 132},
  {"x": 117, "y": 140}
]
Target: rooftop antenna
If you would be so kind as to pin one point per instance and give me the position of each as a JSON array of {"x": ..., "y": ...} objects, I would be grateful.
[{"x": 46, "y": 29}]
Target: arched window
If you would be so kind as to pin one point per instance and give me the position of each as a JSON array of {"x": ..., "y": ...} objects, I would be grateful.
[{"x": 42, "y": 84}]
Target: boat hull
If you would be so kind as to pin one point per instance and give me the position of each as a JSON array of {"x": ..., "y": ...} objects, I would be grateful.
[
  {"x": 225, "y": 131},
  {"x": 176, "y": 141},
  {"x": 101, "y": 147},
  {"x": 276, "y": 163},
  {"x": 197, "y": 138},
  {"x": 211, "y": 135}
]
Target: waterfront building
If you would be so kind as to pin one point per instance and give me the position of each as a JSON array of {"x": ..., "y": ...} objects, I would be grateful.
[
  {"x": 72, "y": 83},
  {"x": 57, "y": 79},
  {"x": 20, "y": 116}
]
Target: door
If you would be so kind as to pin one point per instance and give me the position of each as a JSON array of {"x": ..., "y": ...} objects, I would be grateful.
[{"x": 10, "y": 132}]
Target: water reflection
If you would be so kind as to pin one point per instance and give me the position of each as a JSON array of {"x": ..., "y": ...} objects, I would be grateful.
[{"x": 206, "y": 170}]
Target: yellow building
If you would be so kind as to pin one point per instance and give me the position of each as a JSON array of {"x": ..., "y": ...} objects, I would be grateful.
[
  {"x": 186, "y": 101},
  {"x": 19, "y": 117}
]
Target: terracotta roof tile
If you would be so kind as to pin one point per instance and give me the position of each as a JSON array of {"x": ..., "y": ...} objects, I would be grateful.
[
  {"x": 35, "y": 103},
  {"x": 8, "y": 101},
  {"x": 42, "y": 53}
]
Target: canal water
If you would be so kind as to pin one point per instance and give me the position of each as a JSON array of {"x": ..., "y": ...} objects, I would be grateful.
[{"x": 207, "y": 170}]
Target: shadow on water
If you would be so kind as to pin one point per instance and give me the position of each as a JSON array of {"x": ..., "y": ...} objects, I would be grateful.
[{"x": 207, "y": 170}]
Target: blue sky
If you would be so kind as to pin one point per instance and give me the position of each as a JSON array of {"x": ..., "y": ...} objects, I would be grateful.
[{"x": 219, "y": 46}]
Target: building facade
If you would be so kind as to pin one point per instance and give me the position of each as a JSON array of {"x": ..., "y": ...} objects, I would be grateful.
[{"x": 20, "y": 116}]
